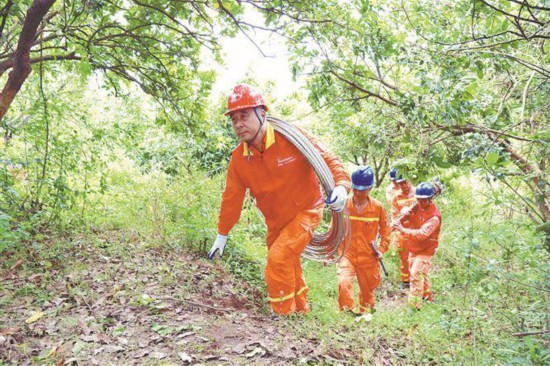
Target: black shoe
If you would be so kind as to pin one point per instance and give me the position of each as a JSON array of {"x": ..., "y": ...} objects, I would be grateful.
[
  {"x": 405, "y": 285},
  {"x": 353, "y": 313}
]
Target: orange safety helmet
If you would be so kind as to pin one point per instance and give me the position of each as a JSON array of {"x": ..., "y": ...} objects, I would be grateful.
[{"x": 244, "y": 96}]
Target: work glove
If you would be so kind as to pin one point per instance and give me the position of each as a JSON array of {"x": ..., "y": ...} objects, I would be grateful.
[
  {"x": 406, "y": 211},
  {"x": 337, "y": 199},
  {"x": 219, "y": 244},
  {"x": 397, "y": 225}
]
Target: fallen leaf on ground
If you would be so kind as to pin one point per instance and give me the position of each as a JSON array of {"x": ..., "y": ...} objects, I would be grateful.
[
  {"x": 77, "y": 347},
  {"x": 183, "y": 335},
  {"x": 185, "y": 357},
  {"x": 113, "y": 349},
  {"x": 10, "y": 331},
  {"x": 158, "y": 355},
  {"x": 36, "y": 316},
  {"x": 88, "y": 338},
  {"x": 84, "y": 327},
  {"x": 102, "y": 337},
  {"x": 143, "y": 343},
  {"x": 239, "y": 349},
  {"x": 256, "y": 351},
  {"x": 35, "y": 278},
  {"x": 141, "y": 353},
  {"x": 259, "y": 343},
  {"x": 16, "y": 265},
  {"x": 53, "y": 351}
]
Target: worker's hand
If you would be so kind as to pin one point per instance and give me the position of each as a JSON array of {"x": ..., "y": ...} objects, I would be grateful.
[
  {"x": 219, "y": 245},
  {"x": 405, "y": 211},
  {"x": 337, "y": 200},
  {"x": 397, "y": 225}
]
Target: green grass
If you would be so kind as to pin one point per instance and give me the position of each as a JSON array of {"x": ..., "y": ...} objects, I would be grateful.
[
  {"x": 490, "y": 278},
  {"x": 490, "y": 275}
]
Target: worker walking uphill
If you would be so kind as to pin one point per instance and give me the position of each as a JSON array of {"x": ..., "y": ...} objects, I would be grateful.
[
  {"x": 401, "y": 200},
  {"x": 368, "y": 218},
  {"x": 392, "y": 188},
  {"x": 423, "y": 236},
  {"x": 287, "y": 193}
]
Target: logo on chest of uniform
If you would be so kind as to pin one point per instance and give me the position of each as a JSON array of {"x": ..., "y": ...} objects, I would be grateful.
[{"x": 285, "y": 161}]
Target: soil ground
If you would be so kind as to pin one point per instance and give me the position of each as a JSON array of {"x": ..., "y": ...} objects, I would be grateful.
[{"x": 116, "y": 301}]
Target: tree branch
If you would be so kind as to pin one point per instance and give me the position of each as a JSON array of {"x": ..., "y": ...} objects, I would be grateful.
[
  {"x": 22, "y": 67},
  {"x": 525, "y": 3},
  {"x": 523, "y": 334},
  {"x": 520, "y": 161},
  {"x": 363, "y": 90},
  {"x": 5, "y": 12},
  {"x": 238, "y": 24},
  {"x": 517, "y": 17}
]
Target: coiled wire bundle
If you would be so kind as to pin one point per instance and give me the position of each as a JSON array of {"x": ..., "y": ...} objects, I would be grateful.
[{"x": 323, "y": 247}]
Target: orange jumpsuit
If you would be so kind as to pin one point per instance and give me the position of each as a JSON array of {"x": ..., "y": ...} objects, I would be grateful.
[
  {"x": 360, "y": 259},
  {"x": 399, "y": 201},
  {"x": 423, "y": 234},
  {"x": 288, "y": 194}
]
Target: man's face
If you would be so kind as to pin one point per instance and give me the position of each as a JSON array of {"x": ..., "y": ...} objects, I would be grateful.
[
  {"x": 245, "y": 124},
  {"x": 361, "y": 195},
  {"x": 404, "y": 186},
  {"x": 424, "y": 202}
]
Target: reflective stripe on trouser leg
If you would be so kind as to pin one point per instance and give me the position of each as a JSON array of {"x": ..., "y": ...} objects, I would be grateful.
[
  {"x": 368, "y": 277},
  {"x": 420, "y": 266},
  {"x": 345, "y": 271},
  {"x": 403, "y": 250},
  {"x": 283, "y": 272}
]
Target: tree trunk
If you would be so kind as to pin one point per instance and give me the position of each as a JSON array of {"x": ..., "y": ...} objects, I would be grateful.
[{"x": 22, "y": 66}]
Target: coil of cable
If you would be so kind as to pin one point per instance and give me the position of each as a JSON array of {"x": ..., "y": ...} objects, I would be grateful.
[{"x": 324, "y": 247}]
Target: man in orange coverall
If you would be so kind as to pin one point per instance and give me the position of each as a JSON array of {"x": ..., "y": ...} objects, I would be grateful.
[
  {"x": 287, "y": 193},
  {"x": 368, "y": 218},
  {"x": 402, "y": 199},
  {"x": 392, "y": 188},
  {"x": 423, "y": 236}
]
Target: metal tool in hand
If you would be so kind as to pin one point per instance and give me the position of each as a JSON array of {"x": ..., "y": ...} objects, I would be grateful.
[
  {"x": 439, "y": 189},
  {"x": 379, "y": 256}
]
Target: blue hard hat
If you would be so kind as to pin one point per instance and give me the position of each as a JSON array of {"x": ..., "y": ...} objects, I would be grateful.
[
  {"x": 424, "y": 190},
  {"x": 393, "y": 174},
  {"x": 394, "y": 177},
  {"x": 362, "y": 179}
]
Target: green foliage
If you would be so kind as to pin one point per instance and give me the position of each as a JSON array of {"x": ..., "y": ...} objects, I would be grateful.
[
  {"x": 452, "y": 81},
  {"x": 396, "y": 84}
]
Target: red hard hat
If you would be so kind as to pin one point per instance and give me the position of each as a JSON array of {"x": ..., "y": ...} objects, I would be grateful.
[{"x": 244, "y": 96}]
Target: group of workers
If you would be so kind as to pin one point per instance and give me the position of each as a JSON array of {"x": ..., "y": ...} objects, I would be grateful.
[{"x": 288, "y": 194}]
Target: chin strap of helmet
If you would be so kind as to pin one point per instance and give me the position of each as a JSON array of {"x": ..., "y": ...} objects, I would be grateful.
[
  {"x": 262, "y": 121},
  {"x": 259, "y": 115}
]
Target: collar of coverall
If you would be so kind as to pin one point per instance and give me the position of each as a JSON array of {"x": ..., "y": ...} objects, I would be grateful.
[
  {"x": 355, "y": 201},
  {"x": 269, "y": 139}
]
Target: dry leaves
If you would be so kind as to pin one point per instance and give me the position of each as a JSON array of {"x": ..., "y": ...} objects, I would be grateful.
[{"x": 35, "y": 317}]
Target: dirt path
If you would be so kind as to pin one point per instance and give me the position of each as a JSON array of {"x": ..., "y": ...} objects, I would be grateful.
[{"x": 115, "y": 302}]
